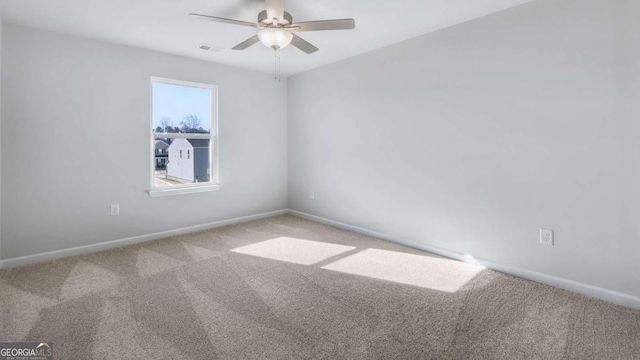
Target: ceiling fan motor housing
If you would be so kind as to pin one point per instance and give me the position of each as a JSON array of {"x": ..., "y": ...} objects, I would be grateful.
[{"x": 263, "y": 19}]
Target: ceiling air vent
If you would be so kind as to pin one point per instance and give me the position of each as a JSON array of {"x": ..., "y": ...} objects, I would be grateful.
[{"x": 209, "y": 48}]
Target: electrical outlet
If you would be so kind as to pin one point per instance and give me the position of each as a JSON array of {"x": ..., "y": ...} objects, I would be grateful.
[
  {"x": 546, "y": 237},
  {"x": 115, "y": 209},
  {"x": 312, "y": 195}
]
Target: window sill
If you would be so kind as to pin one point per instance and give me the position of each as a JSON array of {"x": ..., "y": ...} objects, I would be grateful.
[{"x": 182, "y": 190}]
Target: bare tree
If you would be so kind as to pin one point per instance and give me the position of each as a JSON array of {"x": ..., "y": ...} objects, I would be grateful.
[
  {"x": 190, "y": 122},
  {"x": 166, "y": 124}
]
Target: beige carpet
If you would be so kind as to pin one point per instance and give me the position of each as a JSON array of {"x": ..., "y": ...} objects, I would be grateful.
[{"x": 288, "y": 288}]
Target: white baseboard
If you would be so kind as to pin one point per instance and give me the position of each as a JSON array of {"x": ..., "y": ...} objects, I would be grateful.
[
  {"x": 52, "y": 255},
  {"x": 570, "y": 285}
]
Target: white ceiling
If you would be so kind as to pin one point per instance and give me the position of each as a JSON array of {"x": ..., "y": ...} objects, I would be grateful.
[{"x": 163, "y": 25}]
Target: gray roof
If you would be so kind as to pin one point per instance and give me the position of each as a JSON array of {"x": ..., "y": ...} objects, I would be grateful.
[
  {"x": 199, "y": 143},
  {"x": 161, "y": 144}
]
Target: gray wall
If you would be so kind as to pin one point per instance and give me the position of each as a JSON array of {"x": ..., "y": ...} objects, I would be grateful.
[
  {"x": 75, "y": 138},
  {"x": 474, "y": 137}
]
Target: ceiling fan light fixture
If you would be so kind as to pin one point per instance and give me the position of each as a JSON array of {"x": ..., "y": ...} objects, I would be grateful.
[{"x": 275, "y": 38}]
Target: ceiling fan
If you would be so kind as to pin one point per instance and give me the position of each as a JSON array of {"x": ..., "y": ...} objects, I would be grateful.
[{"x": 277, "y": 28}]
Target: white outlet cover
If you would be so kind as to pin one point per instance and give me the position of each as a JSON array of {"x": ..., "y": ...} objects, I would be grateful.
[
  {"x": 115, "y": 209},
  {"x": 312, "y": 195},
  {"x": 546, "y": 237}
]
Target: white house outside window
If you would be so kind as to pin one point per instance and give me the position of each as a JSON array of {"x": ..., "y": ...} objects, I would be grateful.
[{"x": 183, "y": 118}]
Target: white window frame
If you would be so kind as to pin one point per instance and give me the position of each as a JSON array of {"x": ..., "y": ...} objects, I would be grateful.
[{"x": 214, "y": 183}]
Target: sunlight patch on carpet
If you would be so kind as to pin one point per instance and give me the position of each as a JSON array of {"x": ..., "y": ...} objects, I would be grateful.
[
  {"x": 423, "y": 271},
  {"x": 298, "y": 251}
]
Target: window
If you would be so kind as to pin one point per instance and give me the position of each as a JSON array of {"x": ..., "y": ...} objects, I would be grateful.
[{"x": 183, "y": 118}]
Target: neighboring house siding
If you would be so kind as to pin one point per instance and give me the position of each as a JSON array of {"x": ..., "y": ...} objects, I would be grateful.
[
  {"x": 180, "y": 168},
  {"x": 193, "y": 166},
  {"x": 201, "y": 164}
]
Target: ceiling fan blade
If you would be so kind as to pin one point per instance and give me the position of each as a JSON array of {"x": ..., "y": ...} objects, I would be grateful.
[
  {"x": 223, "y": 20},
  {"x": 245, "y": 44},
  {"x": 275, "y": 9},
  {"x": 303, "y": 45},
  {"x": 338, "y": 24}
]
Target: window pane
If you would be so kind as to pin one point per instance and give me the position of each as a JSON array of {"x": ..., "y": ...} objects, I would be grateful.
[
  {"x": 173, "y": 169},
  {"x": 182, "y": 109}
]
